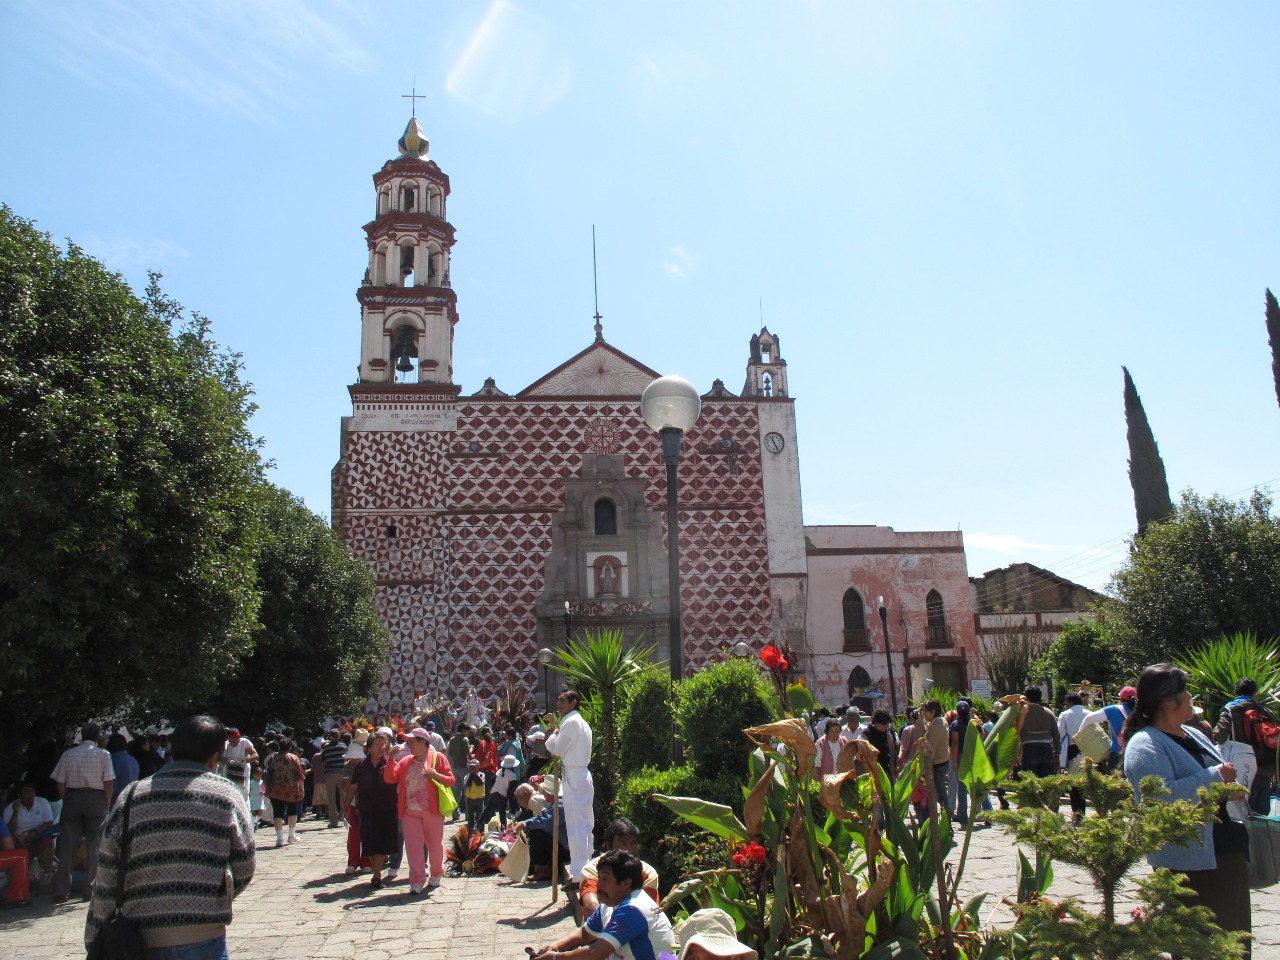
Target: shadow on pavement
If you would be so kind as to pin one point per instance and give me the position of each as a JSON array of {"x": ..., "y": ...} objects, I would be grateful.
[{"x": 546, "y": 916}]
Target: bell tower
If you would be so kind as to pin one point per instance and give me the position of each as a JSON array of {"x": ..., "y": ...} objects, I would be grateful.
[
  {"x": 407, "y": 305},
  {"x": 766, "y": 370}
]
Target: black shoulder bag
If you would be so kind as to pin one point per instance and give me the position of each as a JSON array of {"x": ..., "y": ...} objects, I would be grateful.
[{"x": 120, "y": 938}]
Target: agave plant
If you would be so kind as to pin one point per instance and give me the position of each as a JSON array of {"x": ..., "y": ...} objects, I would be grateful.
[
  {"x": 600, "y": 663},
  {"x": 1215, "y": 666}
]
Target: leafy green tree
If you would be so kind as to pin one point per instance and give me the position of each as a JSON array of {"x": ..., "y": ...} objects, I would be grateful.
[
  {"x": 1212, "y": 568},
  {"x": 130, "y": 488},
  {"x": 1083, "y": 651},
  {"x": 600, "y": 663},
  {"x": 1146, "y": 469},
  {"x": 1273, "y": 335},
  {"x": 322, "y": 646}
]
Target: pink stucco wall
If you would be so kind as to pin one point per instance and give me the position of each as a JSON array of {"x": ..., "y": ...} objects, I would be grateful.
[{"x": 903, "y": 568}]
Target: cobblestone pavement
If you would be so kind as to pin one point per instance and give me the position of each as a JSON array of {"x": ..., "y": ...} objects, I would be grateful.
[{"x": 301, "y": 904}]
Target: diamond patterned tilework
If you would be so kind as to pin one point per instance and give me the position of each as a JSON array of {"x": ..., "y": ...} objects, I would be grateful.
[{"x": 458, "y": 585}]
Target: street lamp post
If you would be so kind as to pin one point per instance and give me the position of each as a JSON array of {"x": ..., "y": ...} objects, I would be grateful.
[
  {"x": 544, "y": 657},
  {"x": 888, "y": 653},
  {"x": 670, "y": 405}
]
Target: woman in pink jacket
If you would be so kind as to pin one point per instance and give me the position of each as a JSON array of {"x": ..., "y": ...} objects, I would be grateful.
[{"x": 419, "y": 806}]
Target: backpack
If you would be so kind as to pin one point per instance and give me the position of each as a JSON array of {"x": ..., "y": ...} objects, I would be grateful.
[{"x": 1260, "y": 728}]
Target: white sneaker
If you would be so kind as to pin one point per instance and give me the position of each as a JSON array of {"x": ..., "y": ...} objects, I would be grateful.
[
  {"x": 414, "y": 888},
  {"x": 433, "y": 884},
  {"x": 294, "y": 838},
  {"x": 390, "y": 875},
  {"x": 352, "y": 870}
]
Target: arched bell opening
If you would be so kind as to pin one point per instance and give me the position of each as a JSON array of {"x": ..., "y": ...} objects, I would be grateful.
[{"x": 404, "y": 354}]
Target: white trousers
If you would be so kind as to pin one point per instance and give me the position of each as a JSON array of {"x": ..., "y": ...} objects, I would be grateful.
[{"x": 579, "y": 817}]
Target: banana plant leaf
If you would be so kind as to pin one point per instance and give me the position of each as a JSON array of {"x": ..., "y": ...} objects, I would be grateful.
[
  {"x": 715, "y": 818},
  {"x": 1003, "y": 740},
  {"x": 976, "y": 770},
  {"x": 896, "y": 950}
]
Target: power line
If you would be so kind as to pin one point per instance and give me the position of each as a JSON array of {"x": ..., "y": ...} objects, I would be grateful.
[{"x": 1089, "y": 560}]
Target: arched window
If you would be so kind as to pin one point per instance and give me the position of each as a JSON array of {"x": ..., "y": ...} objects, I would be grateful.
[
  {"x": 856, "y": 638},
  {"x": 937, "y": 619},
  {"x": 767, "y": 381},
  {"x": 606, "y": 518},
  {"x": 408, "y": 199}
]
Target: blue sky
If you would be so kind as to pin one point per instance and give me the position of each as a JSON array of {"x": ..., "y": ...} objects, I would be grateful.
[{"x": 960, "y": 219}]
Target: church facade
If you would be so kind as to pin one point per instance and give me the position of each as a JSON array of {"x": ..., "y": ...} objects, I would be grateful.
[{"x": 497, "y": 523}]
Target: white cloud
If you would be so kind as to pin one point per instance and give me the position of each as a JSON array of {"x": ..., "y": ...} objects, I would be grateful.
[
  {"x": 236, "y": 56},
  {"x": 680, "y": 262},
  {"x": 826, "y": 516},
  {"x": 1012, "y": 544},
  {"x": 513, "y": 67},
  {"x": 126, "y": 254}
]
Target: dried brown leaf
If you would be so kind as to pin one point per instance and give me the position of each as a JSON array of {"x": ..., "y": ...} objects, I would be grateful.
[
  {"x": 795, "y": 734},
  {"x": 829, "y": 794},
  {"x": 753, "y": 809}
]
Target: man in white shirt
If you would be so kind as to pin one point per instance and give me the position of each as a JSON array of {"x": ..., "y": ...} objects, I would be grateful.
[
  {"x": 236, "y": 757},
  {"x": 1070, "y": 721},
  {"x": 572, "y": 744},
  {"x": 84, "y": 777},
  {"x": 30, "y": 820},
  {"x": 437, "y": 741},
  {"x": 852, "y": 729}
]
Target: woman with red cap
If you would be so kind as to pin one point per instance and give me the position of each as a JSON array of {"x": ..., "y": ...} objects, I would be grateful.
[{"x": 420, "y": 775}]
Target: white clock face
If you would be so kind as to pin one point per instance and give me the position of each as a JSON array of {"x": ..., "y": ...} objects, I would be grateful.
[{"x": 773, "y": 442}]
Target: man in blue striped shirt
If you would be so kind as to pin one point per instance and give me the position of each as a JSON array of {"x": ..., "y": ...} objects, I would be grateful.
[{"x": 627, "y": 921}]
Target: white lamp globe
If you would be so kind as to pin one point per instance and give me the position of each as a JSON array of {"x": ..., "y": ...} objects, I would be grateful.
[{"x": 670, "y": 402}]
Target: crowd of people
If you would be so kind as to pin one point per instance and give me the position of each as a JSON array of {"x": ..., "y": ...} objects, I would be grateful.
[
  {"x": 195, "y": 798},
  {"x": 1154, "y": 728}
]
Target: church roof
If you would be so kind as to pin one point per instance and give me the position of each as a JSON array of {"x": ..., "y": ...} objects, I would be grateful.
[{"x": 598, "y": 371}]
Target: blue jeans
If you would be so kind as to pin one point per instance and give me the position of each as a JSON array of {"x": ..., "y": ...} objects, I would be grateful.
[
  {"x": 215, "y": 949},
  {"x": 962, "y": 803},
  {"x": 940, "y": 773}
]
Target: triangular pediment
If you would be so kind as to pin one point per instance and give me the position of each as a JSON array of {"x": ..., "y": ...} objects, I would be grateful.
[{"x": 598, "y": 371}]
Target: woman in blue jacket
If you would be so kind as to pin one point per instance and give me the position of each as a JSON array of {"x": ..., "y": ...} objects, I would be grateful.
[{"x": 1159, "y": 741}]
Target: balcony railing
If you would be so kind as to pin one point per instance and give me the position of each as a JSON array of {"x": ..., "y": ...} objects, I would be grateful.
[
  {"x": 857, "y": 641},
  {"x": 939, "y": 637}
]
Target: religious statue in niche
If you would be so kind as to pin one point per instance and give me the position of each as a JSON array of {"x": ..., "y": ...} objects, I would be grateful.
[{"x": 606, "y": 579}]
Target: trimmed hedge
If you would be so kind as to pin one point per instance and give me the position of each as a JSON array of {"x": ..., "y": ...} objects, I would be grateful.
[
  {"x": 715, "y": 705},
  {"x": 663, "y": 835},
  {"x": 645, "y": 723}
]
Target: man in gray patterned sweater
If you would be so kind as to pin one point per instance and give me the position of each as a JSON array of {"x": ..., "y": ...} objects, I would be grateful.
[{"x": 190, "y": 853}]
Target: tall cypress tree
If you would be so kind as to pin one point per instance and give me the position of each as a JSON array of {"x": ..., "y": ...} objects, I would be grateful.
[
  {"x": 1146, "y": 469},
  {"x": 1273, "y": 334}
]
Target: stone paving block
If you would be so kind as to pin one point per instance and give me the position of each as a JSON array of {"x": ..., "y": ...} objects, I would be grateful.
[{"x": 301, "y": 905}]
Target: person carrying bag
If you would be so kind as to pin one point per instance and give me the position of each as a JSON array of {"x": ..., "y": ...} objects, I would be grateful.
[{"x": 120, "y": 938}]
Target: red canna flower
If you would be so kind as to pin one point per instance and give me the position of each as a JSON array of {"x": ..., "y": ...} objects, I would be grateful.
[
  {"x": 773, "y": 658},
  {"x": 749, "y": 855}
]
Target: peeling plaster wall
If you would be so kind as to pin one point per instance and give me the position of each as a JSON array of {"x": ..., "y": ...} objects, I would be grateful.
[{"x": 903, "y": 568}]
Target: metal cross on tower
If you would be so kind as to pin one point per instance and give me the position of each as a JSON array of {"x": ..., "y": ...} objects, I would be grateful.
[{"x": 413, "y": 97}]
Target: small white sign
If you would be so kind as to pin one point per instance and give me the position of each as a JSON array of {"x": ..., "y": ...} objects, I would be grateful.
[
  {"x": 409, "y": 417},
  {"x": 980, "y": 688}
]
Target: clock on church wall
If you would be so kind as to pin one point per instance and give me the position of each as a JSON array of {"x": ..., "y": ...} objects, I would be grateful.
[{"x": 774, "y": 443}]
